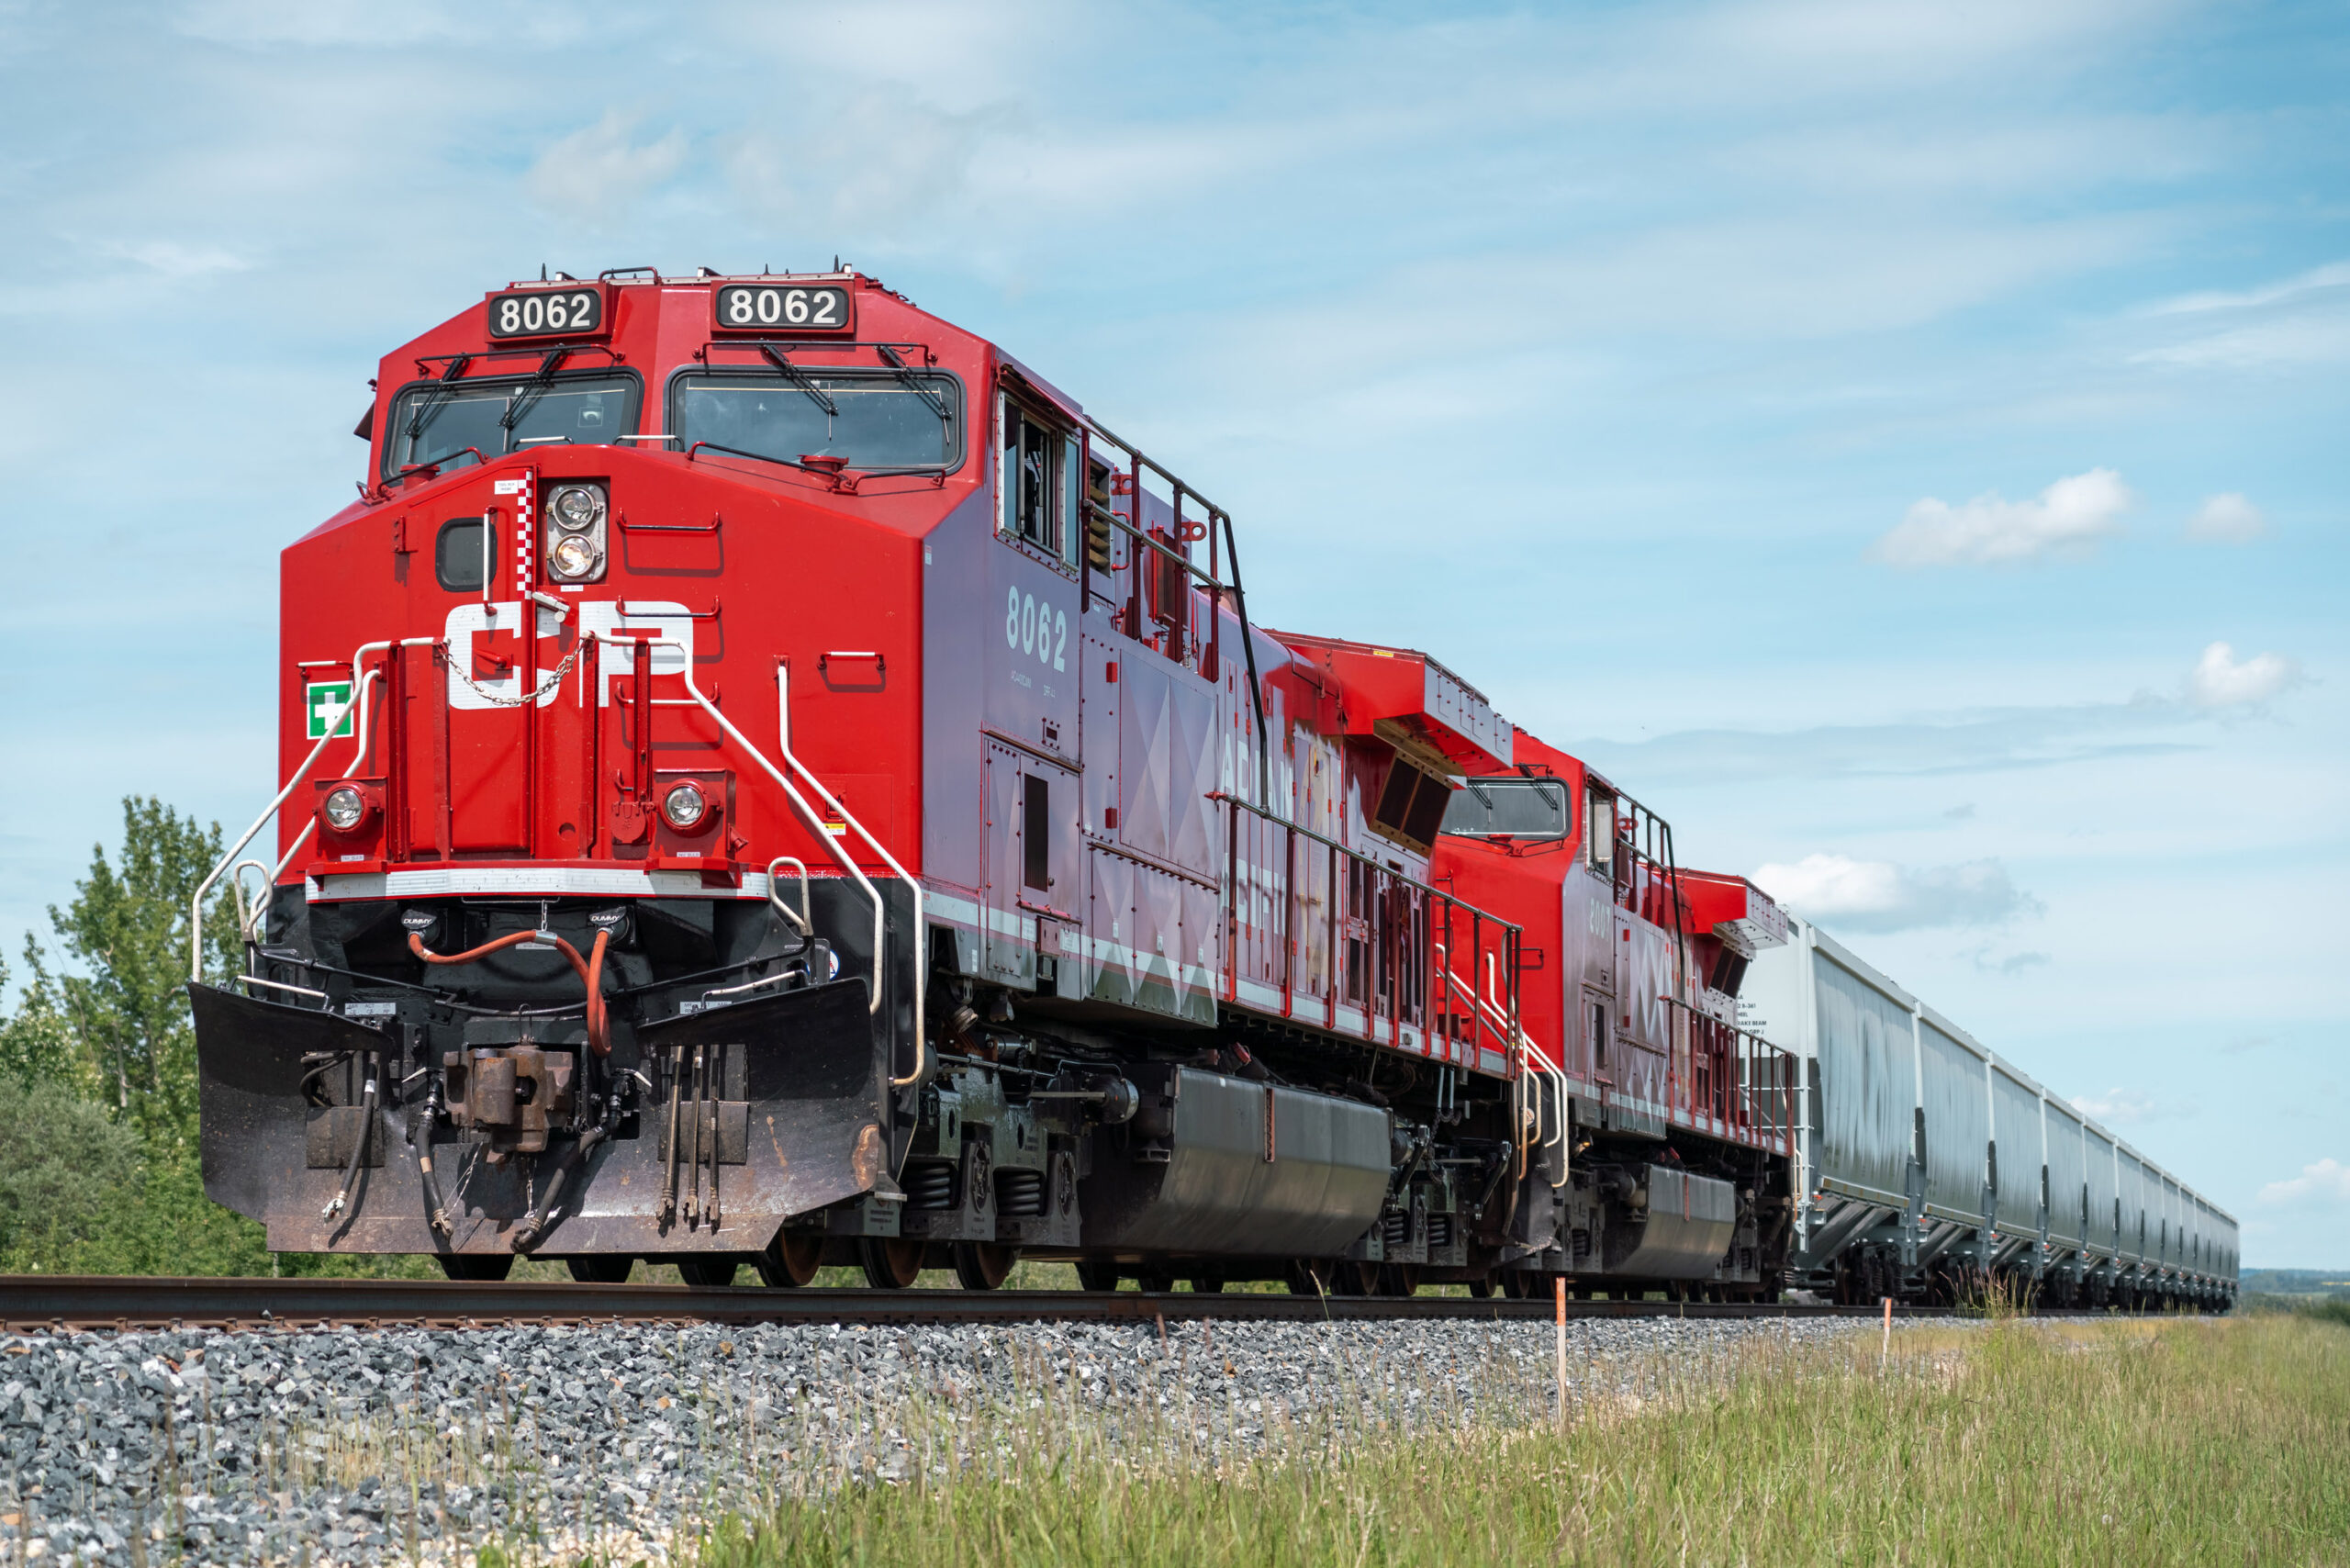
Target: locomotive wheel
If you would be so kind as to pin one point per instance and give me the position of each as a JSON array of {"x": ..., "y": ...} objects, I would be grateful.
[
  {"x": 791, "y": 1260},
  {"x": 600, "y": 1269},
  {"x": 982, "y": 1265},
  {"x": 1093, "y": 1276},
  {"x": 891, "y": 1262},
  {"x": 710, "y": 1270},
  {"x": 477, "y": 1265}
]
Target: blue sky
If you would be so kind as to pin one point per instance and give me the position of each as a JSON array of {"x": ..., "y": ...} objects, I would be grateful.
[{"x": 1903, "y": 444}]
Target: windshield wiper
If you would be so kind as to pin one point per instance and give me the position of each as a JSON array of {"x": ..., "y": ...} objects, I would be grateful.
[
  {"x": 535, "y": 388},
  {"x": 443, "y": 390},
  {"x": 799, "y": 379},
  {"x": 913, "y": 384}
]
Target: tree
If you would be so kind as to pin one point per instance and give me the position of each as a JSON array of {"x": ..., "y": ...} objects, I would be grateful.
[
  {"x": 36, "y": 1044},
  {"x": 70, "y": 1178},
  {"x": 127, "y": 931}
]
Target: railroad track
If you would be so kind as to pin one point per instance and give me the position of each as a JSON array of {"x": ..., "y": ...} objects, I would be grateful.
[{"x": 38, "y": 1303}]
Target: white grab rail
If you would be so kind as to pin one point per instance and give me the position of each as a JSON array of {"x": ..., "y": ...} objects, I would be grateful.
[{"x": 847, "y": 862}]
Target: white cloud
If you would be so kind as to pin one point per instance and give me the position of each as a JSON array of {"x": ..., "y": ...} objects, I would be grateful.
[
  {"x": 176, "y": 261},
  {"x": 2118, "y": 1107},
  {"x": 2221, "y": 680},
  {"x": 2326, "y": 1182},
  {"x": 2227, "y": 519},
  {"x": 2303, "y": 320},
  {"x": 1880, "y": 895},
  {"x": 596, "y": 172},
  {"x": 2068, "y": 517},
  {"x": 2317, "y": 280}
]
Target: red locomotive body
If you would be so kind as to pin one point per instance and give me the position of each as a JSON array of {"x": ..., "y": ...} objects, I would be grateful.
[{"x": 767, "y": 779}]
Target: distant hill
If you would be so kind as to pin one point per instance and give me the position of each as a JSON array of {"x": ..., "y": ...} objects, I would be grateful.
[{"x": 2296, "y": 1282}]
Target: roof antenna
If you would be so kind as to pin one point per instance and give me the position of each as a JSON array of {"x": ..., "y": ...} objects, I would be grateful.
[
  {"x": 542, "y": 272},
  {"x": 836, "y": 264}
]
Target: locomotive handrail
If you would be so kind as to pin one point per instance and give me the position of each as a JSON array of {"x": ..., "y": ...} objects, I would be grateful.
[
  {"x": 1380, "y": 866},
  {"x": 358, "y": 699},
  {"x": 847, "y": 861},
  {"x": 1522, "y": 1044},
  {"x": 1138, "y": 460}
]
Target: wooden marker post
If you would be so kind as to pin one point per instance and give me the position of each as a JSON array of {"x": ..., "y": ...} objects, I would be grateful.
[{"x": 1559, "y": 1297}]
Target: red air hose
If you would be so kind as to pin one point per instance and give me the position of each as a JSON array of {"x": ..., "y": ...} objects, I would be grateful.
[{"x": 590, "y": 970}]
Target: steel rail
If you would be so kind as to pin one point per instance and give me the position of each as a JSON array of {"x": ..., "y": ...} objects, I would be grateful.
[{"x": 39, "y": 1303}]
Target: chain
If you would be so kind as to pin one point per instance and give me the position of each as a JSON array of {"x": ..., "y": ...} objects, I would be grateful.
[{"x": 554, "y": 679}]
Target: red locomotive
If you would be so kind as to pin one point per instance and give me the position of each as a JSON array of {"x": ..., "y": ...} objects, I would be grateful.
[{"x": 769, "y": 780}]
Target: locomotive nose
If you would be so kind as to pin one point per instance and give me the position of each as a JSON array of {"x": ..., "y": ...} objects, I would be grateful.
[{"x": 703, "y": 1130}]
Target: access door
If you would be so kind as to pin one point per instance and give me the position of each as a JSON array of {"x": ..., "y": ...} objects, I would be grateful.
[{"x": 1031, "y": 895}]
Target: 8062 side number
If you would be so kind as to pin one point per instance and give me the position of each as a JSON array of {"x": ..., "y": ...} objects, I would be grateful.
[{"x": 1037, "y": 629}]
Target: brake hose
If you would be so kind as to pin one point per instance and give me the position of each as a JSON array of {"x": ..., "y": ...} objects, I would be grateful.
[{"x": 589, "y": 968}]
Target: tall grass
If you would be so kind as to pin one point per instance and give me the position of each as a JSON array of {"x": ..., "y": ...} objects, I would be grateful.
[{"x": 2011, "y": 1442}]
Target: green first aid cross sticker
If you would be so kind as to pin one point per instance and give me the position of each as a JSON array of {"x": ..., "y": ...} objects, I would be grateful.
[{"x": 325, "y": 699}]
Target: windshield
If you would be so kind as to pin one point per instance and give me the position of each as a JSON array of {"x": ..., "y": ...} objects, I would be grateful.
[
  {"x": 435, "y": 423},
  {"x": 870, "y": 423},
  {"x": 1508, "y": 808}
]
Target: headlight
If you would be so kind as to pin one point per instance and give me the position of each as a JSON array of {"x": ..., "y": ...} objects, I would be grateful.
[
  {"x": 343, "y": 808},
  {"x": 573, "y": 555},
  {"x": 576, "y": 507},
  {"x": 684, "y": 805}
]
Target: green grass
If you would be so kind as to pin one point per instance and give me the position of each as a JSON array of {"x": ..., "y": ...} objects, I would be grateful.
[{"x": 2015, "y": 1443}]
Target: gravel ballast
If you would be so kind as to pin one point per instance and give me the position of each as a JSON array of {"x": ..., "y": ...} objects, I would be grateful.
[{"x": 405, "y": 1445}]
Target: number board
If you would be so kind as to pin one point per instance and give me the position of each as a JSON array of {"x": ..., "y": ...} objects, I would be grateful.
[
  {"x": 781, "y": 307},
  {"x": 547, "y": 313}
]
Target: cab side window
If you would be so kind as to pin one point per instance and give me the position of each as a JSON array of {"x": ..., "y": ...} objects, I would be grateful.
[{"x": 1038, "y": 482}]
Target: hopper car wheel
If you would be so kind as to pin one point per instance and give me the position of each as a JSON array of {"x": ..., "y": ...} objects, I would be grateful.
[
  {"x": 1309, "y": 1279},
  {"x": 1207, "y": 1284},
  {"x": 477, "y": 1265},
  {"x": 982, "y": 1265},
  {"x": 891, "y": 1262},
  {"x": 1400, "y": 1279},
  {"x": 718, "y": 1270},
  {"x": 791, "y": 1260},
  {"x": 600, "y": 1269},
  {"x": 1514, "y": 1282},
  {"x": 1093, "y": 1276},
  {"x": 1155, "y": 1281},
  {"x": 1355, "y": 1279},
  {"x": 1482, "y": 1287}
]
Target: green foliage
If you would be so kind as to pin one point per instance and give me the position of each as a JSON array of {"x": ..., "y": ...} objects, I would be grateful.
[
  {"x": 68, "y": 1174},
  {"x": 35, "y": 1044},
  {"x": 100, "y": 1162},
  {"x": 2334, "y": 1309},
  {"x": 126, "y": 931}
]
